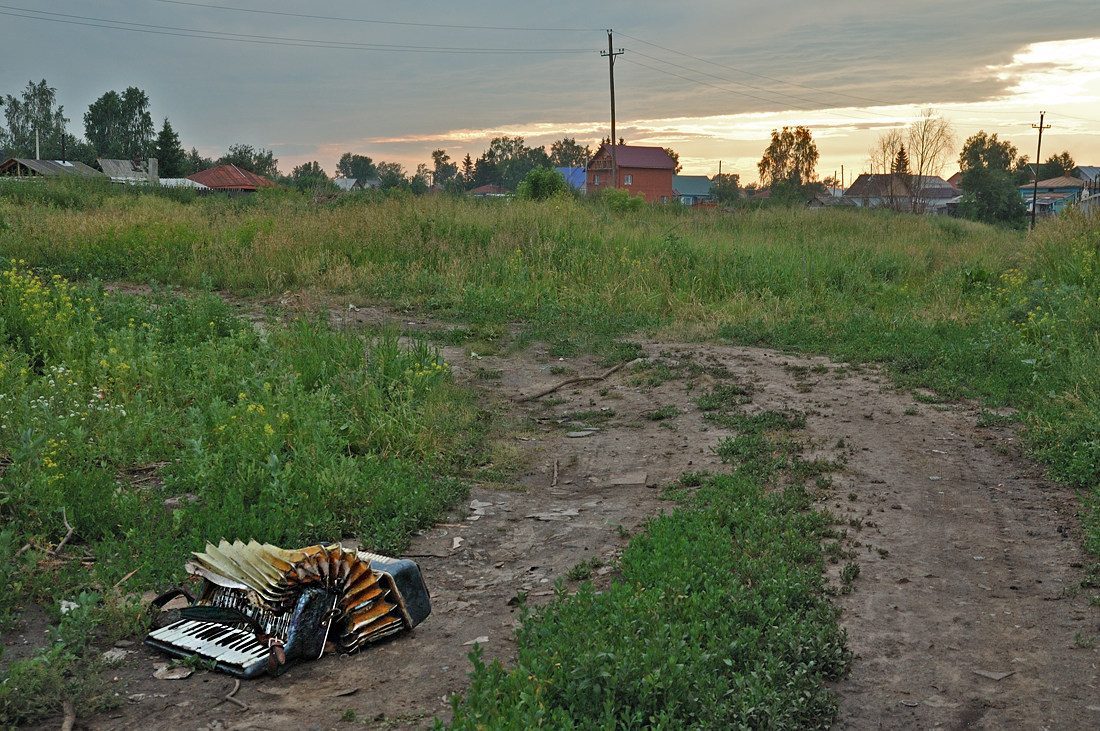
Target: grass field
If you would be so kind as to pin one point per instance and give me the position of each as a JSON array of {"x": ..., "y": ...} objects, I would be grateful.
[{"x": 111, "y": 405}]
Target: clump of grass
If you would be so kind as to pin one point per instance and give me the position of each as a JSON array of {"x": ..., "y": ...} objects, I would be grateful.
[
  {"x": 297, "y": 435},
  {"x": 662, "y": 413}
]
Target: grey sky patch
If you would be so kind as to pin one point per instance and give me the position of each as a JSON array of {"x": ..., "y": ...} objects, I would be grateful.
[{"x": 275, "y": 84}]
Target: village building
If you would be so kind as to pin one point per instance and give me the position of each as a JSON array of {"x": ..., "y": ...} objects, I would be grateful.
[
  {"x": 694, "y": 190},
  {"x": 1055, "y": 195},
  {"x": 130, "y": 172},
  {"x": 574, "y": 176},
  {"x": 231, "y": 179},
  {"x": 346, "y": 185},
  {"x": 21, "y": 167},
  {"x": 914, "y": 193},
  {"x": 645, "y": 171}
]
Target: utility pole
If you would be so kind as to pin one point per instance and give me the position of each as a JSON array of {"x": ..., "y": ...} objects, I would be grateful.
[
  {"x": 1038, "y": 153},
  {"x": 611, "y": 54}
]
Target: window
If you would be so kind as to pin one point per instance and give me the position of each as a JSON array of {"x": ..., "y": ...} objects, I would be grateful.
[
  {"x": 596, "y": 179},
  {"x": 628, "y": 180}
]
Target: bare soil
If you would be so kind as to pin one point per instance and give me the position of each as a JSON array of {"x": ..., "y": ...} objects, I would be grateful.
[{"x": 966, "y": 612}]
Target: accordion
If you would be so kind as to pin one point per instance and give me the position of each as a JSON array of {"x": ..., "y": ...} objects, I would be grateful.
[{"x": 261, "y": 607}]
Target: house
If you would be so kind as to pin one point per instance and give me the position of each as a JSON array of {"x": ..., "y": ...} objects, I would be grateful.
[
  {"x": 21, "y": 167},
  {"x": 490, "y": 190},
  {"x": 881, "y": 190},
  {"x": 574, "y": 176},
  {"x": 645, "y": 171},
  {"x": 694, "y": 190},
  {"x": 347, "y": 185},
  {"x": 130, "y": 172},
  {"x": 183, "y": 183},
  {"x": 929, "y": 194},
  {"x": 1088, "y": 173},
  {"x": 1055, "y": 195},
  {"x": 828, "y": 200},
  {"x": 231, "y": 179},
  {"x": 935, "y": 196}
]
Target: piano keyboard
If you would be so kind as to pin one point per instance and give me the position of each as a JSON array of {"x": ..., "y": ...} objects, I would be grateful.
[{"x": 235, "y": 650}]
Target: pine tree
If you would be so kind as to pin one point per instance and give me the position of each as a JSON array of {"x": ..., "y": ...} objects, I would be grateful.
[
  {"x": 171, "y": 158},
  {"x": 901, "y": 162}
]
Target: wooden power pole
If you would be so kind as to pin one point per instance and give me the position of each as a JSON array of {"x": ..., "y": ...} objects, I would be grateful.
[
  {"x": 1038, "y": 153},
  {"x": 611, "y": 54}
]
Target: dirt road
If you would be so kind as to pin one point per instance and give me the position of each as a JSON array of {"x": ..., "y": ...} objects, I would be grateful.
[{"x": 965, "y": 613}]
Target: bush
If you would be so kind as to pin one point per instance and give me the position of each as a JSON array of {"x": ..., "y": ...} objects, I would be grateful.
[
  {"x": 618, "y": 199},
  {"x": 541, "y": 184}
]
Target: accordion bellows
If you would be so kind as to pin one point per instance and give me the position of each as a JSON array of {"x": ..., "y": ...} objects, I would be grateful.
[
  {"x": 303, "y": 598},
  {"x": 369, "y": 605}
]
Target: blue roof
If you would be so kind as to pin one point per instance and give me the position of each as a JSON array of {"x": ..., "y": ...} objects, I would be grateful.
[{"x": 573, "y": 176}]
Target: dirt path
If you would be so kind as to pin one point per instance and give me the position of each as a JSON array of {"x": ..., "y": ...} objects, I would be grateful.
[{"x": 964, "y": 614}]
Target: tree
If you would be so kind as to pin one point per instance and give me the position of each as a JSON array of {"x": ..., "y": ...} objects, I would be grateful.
[
  {"x": 566, "y": 153},
  {"x": 467, "y": 171},
  {"x": 359, "y": 167},
  {"x": 307, "y": 170},
  {"x": 391, "y": 175},
  {"x": 171, "y": 159},
  {"x": 34, "y": 111},
  {"x": 444, "y": 170},
  {"x": 790, "y": 158},
  {"x": 507, "y": 162},
  {"x": 727, "y": 187},
  {"x": 419, "y": 181},
  {"x": 261, "y": 161},
  {"x": 881, "y": 156},
  {"x": 196, "y": 162},
  {"x": 1056, "y": 166},
  {"x": 901, "y": 162},
  {"x": 675, "y": 158},
  {"x": 119, "y": 126},
  {"x": 931, "y": 139},
  {"x": 990, "y": 192}
]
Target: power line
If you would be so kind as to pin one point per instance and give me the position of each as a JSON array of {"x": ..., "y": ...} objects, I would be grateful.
[
  {"x": 262, "y": 39},
  {"x": 761, "y": 76},
  {"x": 816, "y": 104},
  {"x": 381, "y": 22},
  {"x": 832, "y": 110}
]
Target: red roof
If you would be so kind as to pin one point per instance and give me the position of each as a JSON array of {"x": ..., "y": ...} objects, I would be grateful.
[
  {"x": 490, "y": 189},
  {"x": 225, "y": 177},
  {"x": 632, "y": 156}
]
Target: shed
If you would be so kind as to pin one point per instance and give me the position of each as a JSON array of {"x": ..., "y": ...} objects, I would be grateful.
[{"x": 21, "y": 167}]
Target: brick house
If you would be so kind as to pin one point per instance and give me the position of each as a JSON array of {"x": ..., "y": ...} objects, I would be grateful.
[{"x": 645, "y": 171}]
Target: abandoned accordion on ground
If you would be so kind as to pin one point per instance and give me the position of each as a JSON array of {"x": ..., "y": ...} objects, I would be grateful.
[{"x": 262, "y": 607}]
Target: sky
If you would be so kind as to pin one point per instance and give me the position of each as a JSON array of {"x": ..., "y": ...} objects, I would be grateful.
[{"x": 710, "y": 79}]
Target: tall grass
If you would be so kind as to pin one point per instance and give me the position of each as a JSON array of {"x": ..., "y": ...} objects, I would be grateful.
[
  {"x": 302, "y": 418},
  {"x": 958, "y": 306}
]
